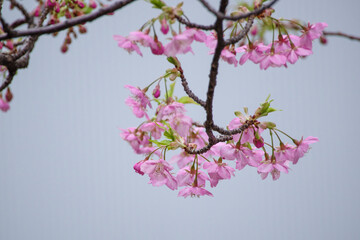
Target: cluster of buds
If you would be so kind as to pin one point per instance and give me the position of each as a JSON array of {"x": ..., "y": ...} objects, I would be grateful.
[{"x": 62, "y": 10}]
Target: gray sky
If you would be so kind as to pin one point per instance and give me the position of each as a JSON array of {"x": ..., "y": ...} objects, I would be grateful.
[{"x": 65, "y": 173}]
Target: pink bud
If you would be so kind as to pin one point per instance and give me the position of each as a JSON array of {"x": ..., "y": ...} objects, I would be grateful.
[
  {"x": 57, "y": 7},
  {"x": 64, "y": 48},
  {"x": 80, "y": 4},
  {"x": 4, "y": 106},
  {"x": 164, "y": 26},
  {"x": 156, "y": 91},
  {"x": 92, "y": 4},
  {"x": 8, "y": 95},
  {"x": 9, "y": 44},
  {"x": 68, "y": 14},
  {"x": 82, "y": 29},
  {"x": 51, "y": 3},
  {"x": 36, "y": 11},
  {"x": 323, "y": 40},
  {"x": 259, "y": 143},
  {"x": 254, "y": 30},
  {"x": 137, "y": 167}
]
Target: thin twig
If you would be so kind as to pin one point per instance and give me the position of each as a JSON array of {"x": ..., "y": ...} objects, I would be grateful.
[
  {"x": 194, "y": 25},
  {"x": 242, "y": 33},
  {"x": 188, "y": 90},
  {"x": 221, "y": 15},
  {"x": 340, "y": 34},
  {"x": 22, "y": 9}
]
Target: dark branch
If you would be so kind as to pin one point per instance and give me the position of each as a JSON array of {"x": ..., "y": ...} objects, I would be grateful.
[
  {"x": 21, "y": 8},
  {"x": 68, "y": 23},
  {"x": 242, "y": 33},
  {"x": 213, "y": 74},
  {"x": 340, "y": 34},
  {"x": 194, "y": 25},
  {"x": 188, "y": 90},
  {"x": 221, "y": 15}
]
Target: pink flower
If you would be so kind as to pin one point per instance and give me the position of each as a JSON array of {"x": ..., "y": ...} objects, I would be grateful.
[
  {"x": 4, "y": 106},
  {"x": 273, "y": 166},
  {"x": 181, "y": 124},
  {"x": 138, "y": 102},
  {"x": 182, "y": 159},
  {"x": 127, "y": 44},
  {"x": 218, "y": 170},
  {"x": 313, "y": 31},
  {"x": 155, "y": 128},
  {"x": 302, "y": 147},
  {"x": 159, "y": 173},
  {"x": 229, "y": 57},
  {"x": 186, "y": 177},
  {"x": 253, "y": 52},
  {"x": 136, "y": 138},
  {"x": 296, "y": 50},
  {"x": 147, "y": 41},
  {"x": 181, "y": 43},
  {"x": 272, "y": 59},
  {"x": 247, "y": 135},
  {"x": 284, "y": 152},
  {"x": 194, "y": 191},
  {"x": 166, "y": 112}
]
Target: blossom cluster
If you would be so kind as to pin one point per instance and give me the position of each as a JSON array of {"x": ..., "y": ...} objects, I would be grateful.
[{"x": 171, "y": 129}]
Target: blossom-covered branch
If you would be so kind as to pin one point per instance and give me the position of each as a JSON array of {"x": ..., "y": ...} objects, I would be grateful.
[{"x": 68, "y": 23}]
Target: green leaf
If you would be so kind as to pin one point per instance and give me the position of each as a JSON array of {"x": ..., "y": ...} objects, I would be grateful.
[
  {"x": 238, "y": 114},
  {"x": 171, "y": 90},
  {"x": 87, "y": 10},
  {"x": 186, "y": 99},
  {"x": 157, "y": 4}
]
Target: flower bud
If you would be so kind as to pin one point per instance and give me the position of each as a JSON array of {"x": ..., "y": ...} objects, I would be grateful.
[
  {"x": 4, "y": 106},
  {"x": 9, "y": 44},
  {"x": 323, "y": 39},
  {"x": 92, "y": 4},
  {"x": 82, "y": 29},
  {"x": 258, "y": 140},
  {"x": 64, "y": 48},
  {"x": 254, "y": 30},
  {"x": 80, "y": 4},
  {"x": 67, "y": 39},
  {"x": 137, "y": 167},
  {"x": 156, "y": 91},
  {"x": 164, "y": 26},
  {"x": 8, "y": 95}
]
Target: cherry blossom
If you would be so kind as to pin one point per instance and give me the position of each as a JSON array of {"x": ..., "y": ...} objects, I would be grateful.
[
  {"x": 159, "y": 173},
  {"x": 194, "y": 192}
]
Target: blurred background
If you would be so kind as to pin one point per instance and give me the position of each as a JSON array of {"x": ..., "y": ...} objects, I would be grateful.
[{"x": 65, "y": 173}]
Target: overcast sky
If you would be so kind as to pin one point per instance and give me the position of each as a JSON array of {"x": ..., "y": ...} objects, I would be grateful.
[{"x": 65, "y": 173}]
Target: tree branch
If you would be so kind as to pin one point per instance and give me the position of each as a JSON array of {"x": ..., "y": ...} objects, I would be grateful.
[
  {"x": 221, "y": 15},
  {"x": 188, "y": 90},
  {"x": 68, "y": 23},
  {"x": 242, "y": 33},
  {"x": 194, "y": 25},
  {"x": 340, "y": 34}
]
